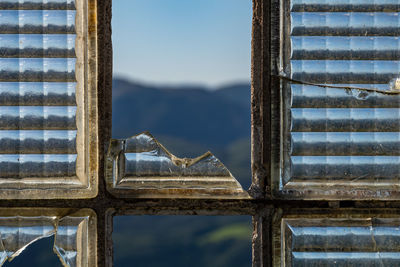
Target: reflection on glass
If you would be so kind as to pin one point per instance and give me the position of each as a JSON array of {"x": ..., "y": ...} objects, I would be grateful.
[
  {"x": 70, "y": 237},
  {"x": 340, "y": 142},
  {"x": 341, "y": 242},
  {"x": 38, "y": 125},
  {"x": 38, "y": 4}
]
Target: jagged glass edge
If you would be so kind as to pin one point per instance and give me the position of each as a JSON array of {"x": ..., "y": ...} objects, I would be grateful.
[
  {"x": 82, "y": 241},
  {"x": 196, "y": 185}
]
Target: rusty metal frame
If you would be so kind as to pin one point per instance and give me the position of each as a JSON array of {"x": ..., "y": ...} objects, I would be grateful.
[
  {"x": 264, "y": 105},
  {"x": 106, "y": 205}
]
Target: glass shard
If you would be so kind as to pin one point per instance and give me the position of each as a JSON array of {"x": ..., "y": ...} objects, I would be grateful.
[
  {"x": 210, "y": 110},
  {"x": 19, "y": 232},
  {"x": 367, "y": 241},
  {"x": 142, "y": 163},
  {"x": 70, "y": 239},
  {"x": 73, "y": 234},
  {"x": 338, "y": 142}
]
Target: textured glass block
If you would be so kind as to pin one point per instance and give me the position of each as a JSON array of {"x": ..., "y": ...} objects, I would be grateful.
[
  {"x": 74, "y": 234},
  {"x": 141, "y": 167},
  {"x": 45, "y": 82},
  {"x": 338, "y": 142},
  {"x": 343, "y": 241}
]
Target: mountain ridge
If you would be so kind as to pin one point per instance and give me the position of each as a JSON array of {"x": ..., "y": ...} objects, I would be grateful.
[{"x": 208, "y": 117}]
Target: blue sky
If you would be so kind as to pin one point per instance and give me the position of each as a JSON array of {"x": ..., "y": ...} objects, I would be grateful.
[{"x": 182, "y": 41}]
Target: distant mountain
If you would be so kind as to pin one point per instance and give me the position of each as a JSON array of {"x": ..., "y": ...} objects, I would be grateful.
[
  {"x": 189, "y": 120},
  {"x": 211, "y": 118}
]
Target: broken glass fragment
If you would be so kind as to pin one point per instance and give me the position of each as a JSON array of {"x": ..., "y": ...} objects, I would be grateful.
[
  {"x": 19, "y": 232},
  {"x": 142, "y": 163},
  {"x": 71, "y": 237},
  {"x": 72, "y": 233}
]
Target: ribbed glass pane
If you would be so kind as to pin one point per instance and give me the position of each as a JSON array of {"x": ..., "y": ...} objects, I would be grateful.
[
  {"x": 340, "y": 242},
  {"x": 38, "y": 127},
  {"x": 341, "y": 130},
  {"x": 38, "y": 4},
  {"x": 21, "y": 228},
  {"x": 37, "y": 21}
]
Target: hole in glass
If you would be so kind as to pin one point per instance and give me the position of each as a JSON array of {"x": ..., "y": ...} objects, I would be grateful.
[
  {"x": 39, "y": 253},
  {"x": 182, "y": 72},
  {"x": 182, "y": 241}
]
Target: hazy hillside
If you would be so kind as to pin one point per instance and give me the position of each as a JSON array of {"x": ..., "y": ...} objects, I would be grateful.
[
  {"x": 210, "y": 118},
  {"x": 181, "y": 241},
  {"x": 188, "y": 121}
]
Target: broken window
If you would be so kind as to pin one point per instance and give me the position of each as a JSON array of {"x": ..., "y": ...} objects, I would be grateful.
[
  {"x": 185, "y": 81},
  {"x": 324, "y": 126},
  {"x": 141, "y": 166},
  {"x": 71, "y": 230}
]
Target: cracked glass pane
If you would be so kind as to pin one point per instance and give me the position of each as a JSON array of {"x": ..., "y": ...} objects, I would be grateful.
[
  {"x": 43, "y": 78},
  {"x": 141, "y": 166},
  {"x": 73, "y": 234},
  {"x": 189, "y": 88},
  {"x": 182, "y": 241},
  {"x": 37, "y": 254},
  {"x": 366, "y": 241},
  {"x": 341, "y": 100}
]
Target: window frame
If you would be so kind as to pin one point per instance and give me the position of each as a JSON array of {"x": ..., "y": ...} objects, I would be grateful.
[
  {"x": 266, "y": 210},
  {"x": 257, "y": 206},
  {"x": 105, "y": 205}
]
